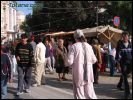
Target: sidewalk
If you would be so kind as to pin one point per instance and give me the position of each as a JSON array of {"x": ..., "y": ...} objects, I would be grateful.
[{"x": 106, "y": 89}]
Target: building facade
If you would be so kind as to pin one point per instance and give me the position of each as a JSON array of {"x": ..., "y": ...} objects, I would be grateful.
[
  {"x": 20, "y": 19},
  {"x": 8, "y": 21}
]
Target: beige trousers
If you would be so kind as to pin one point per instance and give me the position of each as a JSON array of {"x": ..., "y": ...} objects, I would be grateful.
[{"x": 39, "y": 73}]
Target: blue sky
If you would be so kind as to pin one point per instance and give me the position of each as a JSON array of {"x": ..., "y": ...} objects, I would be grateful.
[{"x": 24, "y": 9}]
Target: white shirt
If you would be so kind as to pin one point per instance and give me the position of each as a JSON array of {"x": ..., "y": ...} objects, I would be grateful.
[
  {"x": 40, "y": 51},
  {"x": 126, "y": 44},
  {"x": 112, "y": 52}
]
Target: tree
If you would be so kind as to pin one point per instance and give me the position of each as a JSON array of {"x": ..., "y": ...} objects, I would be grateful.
[
  {"x": 123, "y": 9},
  {"x": 57, "y": 16},
  {"x": 62, "y": 15},
  {"x": 24, "y": 26}
]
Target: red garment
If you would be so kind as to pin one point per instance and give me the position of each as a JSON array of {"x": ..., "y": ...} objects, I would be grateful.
[{"x": 103, "y": 65}]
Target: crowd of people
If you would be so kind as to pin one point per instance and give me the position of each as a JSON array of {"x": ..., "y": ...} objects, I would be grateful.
[{"x": 85, "y": 61}]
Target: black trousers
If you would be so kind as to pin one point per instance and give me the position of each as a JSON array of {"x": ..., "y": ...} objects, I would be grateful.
[
  {"x": 125, "y": 70},
  {"x": 24, "y": 78},
  {"x": 95, "y": 72}
]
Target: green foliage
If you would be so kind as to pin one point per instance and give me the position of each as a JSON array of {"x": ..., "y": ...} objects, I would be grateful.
[
  {"x": 123, "y": 9},
  {"x": 25, "y": 27},
  {"x": 52, "y": 17}
]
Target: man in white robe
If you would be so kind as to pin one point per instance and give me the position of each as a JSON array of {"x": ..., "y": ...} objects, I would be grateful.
[{"x": 80, "y": 58}]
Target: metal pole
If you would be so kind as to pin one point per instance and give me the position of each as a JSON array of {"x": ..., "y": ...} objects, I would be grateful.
[
  {"x": 97, "y": 12},
  {"x": 49, "y": 22}
]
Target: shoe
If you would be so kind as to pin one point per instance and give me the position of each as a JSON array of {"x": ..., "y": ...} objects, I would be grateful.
[
  {"x": 111, "y": 75},
  {"x": 126, "y": 96},
  {"x": 43, "y": 83},
  {"x": 51, "y": 72},
  {"x": 27, "y": 90},
  {"x": 19, "y": 93},
  {"x": 64, "y": 79},
  {"x": 128, "y": 76},
  {"x": 95, "y": 82},
  {"x": 35, "y": 85},
  {"x": 119, "y": 88},
  {"x": 60, "y": 80}
]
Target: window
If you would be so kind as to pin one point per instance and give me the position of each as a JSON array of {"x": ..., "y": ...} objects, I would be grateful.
[{"x": 10, "y": 18}]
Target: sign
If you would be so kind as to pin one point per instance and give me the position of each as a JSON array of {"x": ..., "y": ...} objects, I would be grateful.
[{"x": 116, "y": 21}]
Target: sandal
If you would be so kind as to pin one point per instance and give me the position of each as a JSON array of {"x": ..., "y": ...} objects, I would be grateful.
[
  {"x": 64, "y": 79},
  {"x": 60, "y": 80}
]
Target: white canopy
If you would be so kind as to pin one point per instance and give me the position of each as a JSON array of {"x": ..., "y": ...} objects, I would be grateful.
[
  {"x": 104, "y": 33},
  {"x": 90, "y": 32}
]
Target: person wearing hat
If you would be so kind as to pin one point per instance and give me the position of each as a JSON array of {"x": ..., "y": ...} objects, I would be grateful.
[
  {"x": 24, "y": 56},
  {"x": 80, "y": 58}
]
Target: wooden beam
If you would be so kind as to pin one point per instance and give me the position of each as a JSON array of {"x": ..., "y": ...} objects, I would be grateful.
[
  {"x": 112, "y": 36},
  {"x": 105, "y": 35}
]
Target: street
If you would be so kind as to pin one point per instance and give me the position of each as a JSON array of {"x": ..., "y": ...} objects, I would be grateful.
[
  {"x": 56, "y": 33},
  {"x": 106, "y": 89}
]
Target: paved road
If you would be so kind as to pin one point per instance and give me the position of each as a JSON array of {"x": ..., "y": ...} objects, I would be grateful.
[{"x": 106, "y": 89}]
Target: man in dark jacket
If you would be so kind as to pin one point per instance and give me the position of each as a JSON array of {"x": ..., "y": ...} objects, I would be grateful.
[
  {"x": 24, "y": 56},
  {"x": 124, "y": 57}
]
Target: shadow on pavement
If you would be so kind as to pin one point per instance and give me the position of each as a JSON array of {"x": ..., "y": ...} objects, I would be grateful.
[
  {"x": 12, "y": 91},
  {"x": 55, "y": 83},
  {"x": 109, "y": 90},
  {"x": 108, "y": 74},
  {"x": 104, "y": 91}
]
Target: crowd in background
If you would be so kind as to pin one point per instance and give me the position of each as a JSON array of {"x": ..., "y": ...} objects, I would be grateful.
[{"x": 37, "y": 53}]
